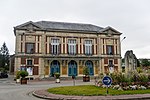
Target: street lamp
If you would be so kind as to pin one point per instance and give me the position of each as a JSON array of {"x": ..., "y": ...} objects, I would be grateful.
[
  {"x": 121, "y": 50},
  {"x": 123, "y": 38}
]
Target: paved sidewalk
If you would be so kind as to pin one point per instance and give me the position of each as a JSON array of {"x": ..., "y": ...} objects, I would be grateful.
[{"x": 45, "y": 95}]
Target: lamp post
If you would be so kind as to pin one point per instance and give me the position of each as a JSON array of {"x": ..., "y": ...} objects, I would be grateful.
[
  {"x": 121, "y": 50},
  {"x": 123, "y": 39}
]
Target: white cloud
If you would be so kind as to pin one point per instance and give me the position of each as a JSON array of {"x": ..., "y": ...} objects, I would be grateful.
[{"x": 131, "y": 17}]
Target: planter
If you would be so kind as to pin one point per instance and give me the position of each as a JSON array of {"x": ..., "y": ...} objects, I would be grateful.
[
  {"x": 23, "y": 81},
  {"x": 57, "y": 80},
  {"x": 86, "y": 78},
  {"x": 17, "y": 80}
]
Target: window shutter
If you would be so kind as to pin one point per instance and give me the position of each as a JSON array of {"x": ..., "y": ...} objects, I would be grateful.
[
  {"x": 63, "y": 48},
  {"x": 83, "y": 49},
  {"x": 116, "y": 50},
  {"x": 67, "y": 49},
  {"x": 96, "y": 49},
  {"x": 92, "y": 49},
  {"x": 23, "y": 60},
  {"x": 36, "y": 60},
  {"x": 50, "y": 46},
  {"x": 46, "y": 48},
  {"x": 59, "y": 49},
  {"x": 76, "y": 48},
  {"x": 116, "y": 68},
  {"x": 103, "y": 50},
  {"x": 33, "y": 47},
  {"x": 116, "y": 61},
  {"x": 26, "y": 48},
  {"x": 21, "y": 46},
  {"x": 107, "y": 49},
  {"x": 80, "y": 49},
  {"x": 113, "y": 50},
  {"x": 35, "y": 70},
  {"x": 105, "y": 60},
  {"x": 106, "y": 69}
]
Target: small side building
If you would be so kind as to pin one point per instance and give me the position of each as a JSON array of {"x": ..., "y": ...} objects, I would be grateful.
[{"x": 11, "y": 64}]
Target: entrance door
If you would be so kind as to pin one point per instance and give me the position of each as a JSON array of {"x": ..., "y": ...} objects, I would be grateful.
[
  {"x": 55, "y": 67},
  {"x": 89, "y": 64},
  {"x": 72, "y": 66}
]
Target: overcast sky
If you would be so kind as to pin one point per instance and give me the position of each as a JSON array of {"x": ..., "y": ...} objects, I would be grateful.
[{"x": 131, "y": 17}]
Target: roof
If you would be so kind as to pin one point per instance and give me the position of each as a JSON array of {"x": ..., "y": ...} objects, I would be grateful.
[
  {"x": 68, "y": 26},
  {"x": 63, "y": 26}
]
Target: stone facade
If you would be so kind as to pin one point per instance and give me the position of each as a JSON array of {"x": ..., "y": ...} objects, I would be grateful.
[{"x": 43, "y": 48}]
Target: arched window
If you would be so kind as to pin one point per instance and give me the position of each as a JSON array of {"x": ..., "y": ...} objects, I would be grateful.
[
  {"x": 72, "y": 68},
  {"x": 89, "y": 64},
  {"x": 55, "y": 67}
]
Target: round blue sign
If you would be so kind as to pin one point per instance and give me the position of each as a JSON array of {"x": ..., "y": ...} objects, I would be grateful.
[{"x": 107, "y": 80}]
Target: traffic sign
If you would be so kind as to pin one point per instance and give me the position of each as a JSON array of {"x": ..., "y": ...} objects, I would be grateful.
[{"x": 107, "y": 80}]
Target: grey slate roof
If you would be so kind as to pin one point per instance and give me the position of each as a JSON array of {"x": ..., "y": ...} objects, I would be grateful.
[
  {"x": 50, "y": 25},
  {"x": 68, "y": 26},
  {"x": 63, "y": 26}
]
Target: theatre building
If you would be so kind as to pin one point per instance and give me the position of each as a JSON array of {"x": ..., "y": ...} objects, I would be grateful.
[{"x": 44, "y": 47}]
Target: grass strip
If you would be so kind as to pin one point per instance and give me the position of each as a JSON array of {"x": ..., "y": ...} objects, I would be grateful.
[{"x": 91, "y": 90}]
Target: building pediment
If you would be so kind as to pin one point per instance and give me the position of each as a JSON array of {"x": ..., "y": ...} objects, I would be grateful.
[
  {"x": 110, "y": 31},
  {"x": 29, "y": 26}
]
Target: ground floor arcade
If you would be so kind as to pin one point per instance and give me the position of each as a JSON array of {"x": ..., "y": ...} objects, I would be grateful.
[
  {"x": 39, "y": 67},
  {"x": 71, "y": 67}
]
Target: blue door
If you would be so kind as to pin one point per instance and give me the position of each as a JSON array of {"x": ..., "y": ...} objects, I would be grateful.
[
  {"x": 55, "y": 67},
  {"x": 89, "y": 64},
  {"x": 72, "y": 68}
]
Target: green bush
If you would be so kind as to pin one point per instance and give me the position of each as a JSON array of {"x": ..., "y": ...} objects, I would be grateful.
[
  {"x": 143, "y": 78},
  {"x": 3, "y": 70},
  {"x": 57, "y": 75},
  {"x": 23, "y": 74},
  {"x": 139, "y": 70},
  {"x": 133, "y": 77},
  {"x": 17, "y": 74},
  {"x": 85, "y": 71},
  {"x": 119, "y": 77}
]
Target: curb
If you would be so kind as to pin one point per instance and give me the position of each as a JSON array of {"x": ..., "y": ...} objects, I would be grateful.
[
  {"x": 45, "y": 95},
  {"x": 39, "y": 96}
]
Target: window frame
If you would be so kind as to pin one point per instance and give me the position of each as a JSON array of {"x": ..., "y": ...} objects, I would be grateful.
[
  {"x": 110, "y": 50},
  {"x": 30, "y": 48},
  {"x": 88, "y": 47},
  {"x": 55, "y": 46},
  {"x": 72, "y": 46}
]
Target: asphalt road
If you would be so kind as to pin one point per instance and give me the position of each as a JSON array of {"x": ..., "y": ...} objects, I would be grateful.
[{"x": 9, "y": 90}]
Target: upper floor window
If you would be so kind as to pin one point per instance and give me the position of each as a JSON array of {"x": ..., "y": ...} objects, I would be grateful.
[
  {"x": 30, "y": 48},
  {"x": 29, "y": 62},
  {"x": 110, "y": 63},
  {"x": 55, "y": 46},
  {"x": 110, "y": 49},
  {"x": 72, "y": 46},
  {"x": 88, "y": 47}
]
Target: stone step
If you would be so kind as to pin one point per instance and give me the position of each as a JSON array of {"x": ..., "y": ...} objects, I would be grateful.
[{"x": 65, "y": 78}]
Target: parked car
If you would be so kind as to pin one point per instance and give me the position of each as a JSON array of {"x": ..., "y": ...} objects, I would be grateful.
[{"x": 3, "y": 75}]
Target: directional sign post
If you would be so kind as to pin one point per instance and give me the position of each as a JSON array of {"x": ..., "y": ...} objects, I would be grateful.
[
  {"x": 107, "y": 81},
  {"x": 73, "y": 77}
]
